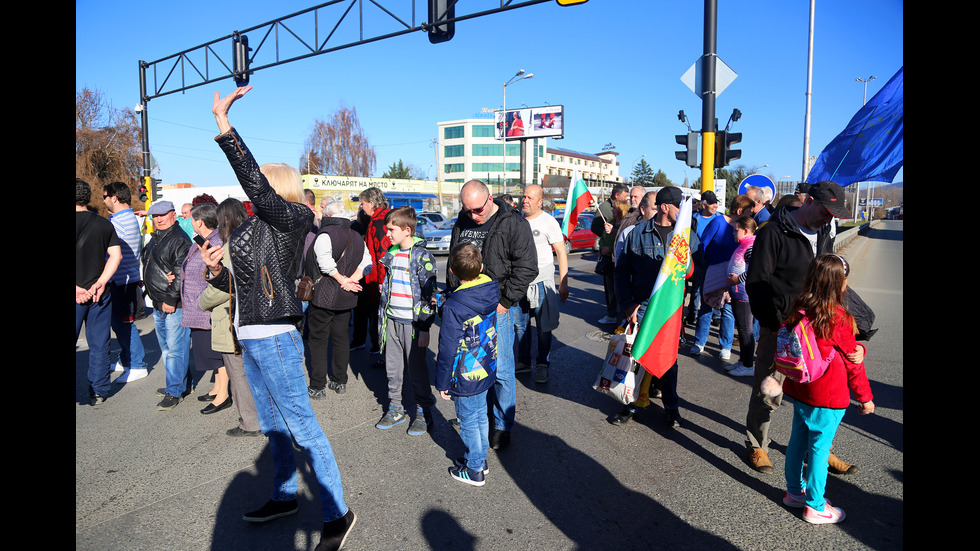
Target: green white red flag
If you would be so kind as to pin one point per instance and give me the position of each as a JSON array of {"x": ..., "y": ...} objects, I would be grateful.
[
  {"x": 655, "y": 346},
  {"x": 577, "y": 201}
]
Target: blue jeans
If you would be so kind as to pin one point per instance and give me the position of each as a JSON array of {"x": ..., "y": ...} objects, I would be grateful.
[
  {"x": 504, "y": 391},
  {"x": 277, "y": 378},
  {"x": 523, "y": 336},
  {"x": 175, "y": 346},
  {"x": 97, "y": 317},
  {"x": 726, "y": 333},
  {"x": 813, "y": 432},
  {"x": 474, "y": 428},
  {"x": 131, "y": 352}
]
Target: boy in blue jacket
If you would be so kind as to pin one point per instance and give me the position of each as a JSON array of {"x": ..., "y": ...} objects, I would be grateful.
[{"x": 467, "y": 362}]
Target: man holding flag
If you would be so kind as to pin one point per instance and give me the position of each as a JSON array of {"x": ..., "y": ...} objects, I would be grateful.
[{"x": 650, "y": 273}]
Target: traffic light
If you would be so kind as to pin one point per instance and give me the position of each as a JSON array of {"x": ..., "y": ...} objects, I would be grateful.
[
  {"x": 155, "y": 188},
  {"x": 724, "y": 153},
  {"x": 441, "y": 10},
  {"x": 690, "y": 155},
  {"x": 240, "y": 49},
  {"x": 144, "y": 193}
]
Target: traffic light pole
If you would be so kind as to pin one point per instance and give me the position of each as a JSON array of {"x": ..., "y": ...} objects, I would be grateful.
[
  {"x": 145, "y": 123},
  {"x": 708, "y": 124}
]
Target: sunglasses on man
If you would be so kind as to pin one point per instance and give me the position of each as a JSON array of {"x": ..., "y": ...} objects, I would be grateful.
[{"x": 481, "y": 208}]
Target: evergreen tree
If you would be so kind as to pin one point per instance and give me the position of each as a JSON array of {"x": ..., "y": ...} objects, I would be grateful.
[{"x": 642, "y": 174}]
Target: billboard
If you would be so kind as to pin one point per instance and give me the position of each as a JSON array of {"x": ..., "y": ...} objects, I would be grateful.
[{"x": 530, "y": 122}]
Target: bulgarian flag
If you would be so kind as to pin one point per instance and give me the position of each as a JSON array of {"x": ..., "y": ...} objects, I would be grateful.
[
  {"x": 655, "y": 346},
  {"x": 578, "y": 200}
]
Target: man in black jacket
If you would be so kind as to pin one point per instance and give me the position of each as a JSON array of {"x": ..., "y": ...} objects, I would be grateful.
[
  {"x": 781, "y": 256},
  {"x": 510, "y": 259},
  {"x": 163, "y": 255}
]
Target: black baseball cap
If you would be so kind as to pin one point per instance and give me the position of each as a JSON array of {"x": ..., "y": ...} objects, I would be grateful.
[
  {"x": 669, "y": 195},
  {"x": 709, "y": 197},
  {"x": 831, "y": 196}
]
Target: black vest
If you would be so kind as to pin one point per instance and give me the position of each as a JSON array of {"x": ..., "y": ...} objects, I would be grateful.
[{"x": 348, "y": 248}]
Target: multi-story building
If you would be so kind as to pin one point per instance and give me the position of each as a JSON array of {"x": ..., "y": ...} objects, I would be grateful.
[{"x": 469, "y": 151}]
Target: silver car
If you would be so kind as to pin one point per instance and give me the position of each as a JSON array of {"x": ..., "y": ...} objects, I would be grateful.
[
  {"x": 424, "y": 226},
  {"x": 437, "y": 241}
]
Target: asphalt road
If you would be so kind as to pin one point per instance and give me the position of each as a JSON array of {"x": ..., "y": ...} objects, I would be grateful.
[{"x": 154, "y": 480}]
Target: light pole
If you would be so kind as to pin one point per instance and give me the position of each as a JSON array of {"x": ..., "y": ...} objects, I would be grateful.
[
  {"x": 503, "y": 127},
  {"x": 863, "y": 103}
]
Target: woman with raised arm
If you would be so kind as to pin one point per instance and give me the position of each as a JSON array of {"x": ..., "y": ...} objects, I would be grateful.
[{"x": 266, "y": 253}]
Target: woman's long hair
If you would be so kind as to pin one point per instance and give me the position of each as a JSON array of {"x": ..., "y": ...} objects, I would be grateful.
[
  {"x": 231, "y": 214},
  {"x": 823, "y": 292}
]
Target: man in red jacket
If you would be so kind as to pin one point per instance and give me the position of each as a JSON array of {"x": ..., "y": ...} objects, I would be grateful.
[{"x": 374, "y": 204}]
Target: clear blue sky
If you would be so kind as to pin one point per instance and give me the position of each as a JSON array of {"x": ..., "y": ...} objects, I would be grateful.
[{"x": 614, "y": 64}]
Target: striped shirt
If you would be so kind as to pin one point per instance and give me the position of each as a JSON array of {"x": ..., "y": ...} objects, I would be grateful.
[
  {"x": 401, "y": 301},
  {"x": 128, "y": 230}
]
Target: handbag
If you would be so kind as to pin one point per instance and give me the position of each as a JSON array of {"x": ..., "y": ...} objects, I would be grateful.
[
  {"x": 304, "y": 289},
  {"x": 620, "y": 374},
  {"x": 605, "y": 265}
]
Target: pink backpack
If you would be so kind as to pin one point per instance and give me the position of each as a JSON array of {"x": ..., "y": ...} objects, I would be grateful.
[{"x": 797, "y": 355}]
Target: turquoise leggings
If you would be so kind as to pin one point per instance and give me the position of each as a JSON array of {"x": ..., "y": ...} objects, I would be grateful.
[{"x": 813, "y": 433}]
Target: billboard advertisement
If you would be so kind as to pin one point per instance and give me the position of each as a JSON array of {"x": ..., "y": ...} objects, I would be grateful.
[{"x": 530, "y": 122}]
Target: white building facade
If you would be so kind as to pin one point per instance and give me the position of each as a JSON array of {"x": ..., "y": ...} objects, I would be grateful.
[{"x": 468, "y": 151}]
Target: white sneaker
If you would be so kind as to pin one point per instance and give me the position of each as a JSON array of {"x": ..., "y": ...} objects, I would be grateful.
[
  {"x": 118, "y": 367},
  {"x": 697, "y": 350},
  {"x": 605, "y": 320},
  {"x": 132, "y": 375},
  {"x": 725, "y": 354},
  {"x": 742, "y": 371},
  {"x": 829, "y": 515}
]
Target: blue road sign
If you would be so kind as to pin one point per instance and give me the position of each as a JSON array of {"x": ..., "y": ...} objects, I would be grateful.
[{"x": 757, "y": 180}]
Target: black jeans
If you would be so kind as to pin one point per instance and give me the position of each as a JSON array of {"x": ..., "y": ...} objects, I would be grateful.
[
  {"x": 328, "y": 327},
  {"x": 743, "y": 322}
]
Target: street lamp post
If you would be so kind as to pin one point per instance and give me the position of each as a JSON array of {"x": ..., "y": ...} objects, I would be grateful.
[
  {"x": 858, "y": 192},
  {"x": 516, "y": 78}
]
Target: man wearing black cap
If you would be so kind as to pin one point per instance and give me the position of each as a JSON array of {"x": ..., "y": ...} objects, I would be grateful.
[
  {"x": 636, "y": 274},
  {"x": 783, "y": 251}
]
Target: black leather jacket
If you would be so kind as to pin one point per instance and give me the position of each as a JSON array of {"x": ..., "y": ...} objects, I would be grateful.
[
  {"x": 267, "y": 249},
  {"x": 509, "y": 254},
  {"x": 165, "y": 253}
]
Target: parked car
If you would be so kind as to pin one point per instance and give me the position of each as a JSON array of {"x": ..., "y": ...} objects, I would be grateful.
[
  {"x": 437, "y": 218},
  {"x": 581, "y": 237},
  {"x": 424, "y": 226},
  {"x": 437, "y": 241}
]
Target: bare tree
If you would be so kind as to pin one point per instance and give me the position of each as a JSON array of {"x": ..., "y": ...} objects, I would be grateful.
[
  {"x": 108, "y": 144},
  {"x": 338, "y": 147}
]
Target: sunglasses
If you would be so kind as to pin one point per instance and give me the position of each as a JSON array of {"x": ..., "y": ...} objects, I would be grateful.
[{"x": 482, "y": 208}]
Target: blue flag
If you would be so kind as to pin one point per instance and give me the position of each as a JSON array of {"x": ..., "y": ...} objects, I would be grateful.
[{"x": 870, "y": 148}]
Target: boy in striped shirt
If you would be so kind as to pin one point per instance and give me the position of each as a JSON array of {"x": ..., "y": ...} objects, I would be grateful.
[{"x": 406, "y": 314}]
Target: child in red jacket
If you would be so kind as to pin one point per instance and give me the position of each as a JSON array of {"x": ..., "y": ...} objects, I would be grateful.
[{"x": 819, "y": 405}]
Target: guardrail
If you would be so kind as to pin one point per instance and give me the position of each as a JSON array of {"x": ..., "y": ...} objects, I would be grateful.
[{"x": 845, "y": 237}]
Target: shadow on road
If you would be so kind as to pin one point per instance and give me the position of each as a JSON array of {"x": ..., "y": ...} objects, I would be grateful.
[{"x": 590, "y": 505}]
